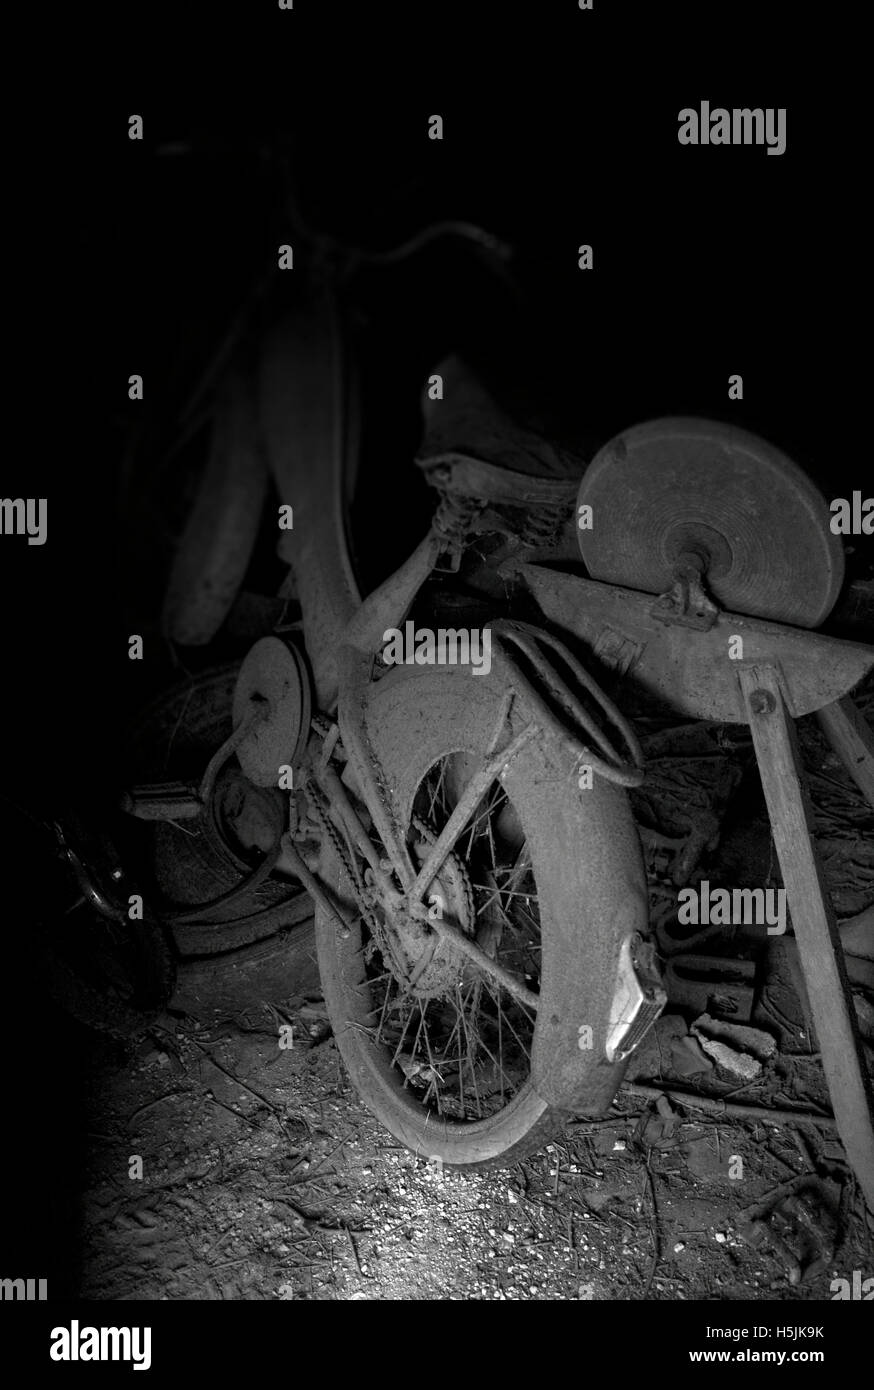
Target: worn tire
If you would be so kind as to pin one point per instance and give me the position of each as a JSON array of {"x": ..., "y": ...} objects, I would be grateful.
[{"x": 415, "y": 716}]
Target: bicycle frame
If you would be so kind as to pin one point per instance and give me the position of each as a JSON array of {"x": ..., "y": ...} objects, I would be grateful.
[{"x": 303, "y": 394}]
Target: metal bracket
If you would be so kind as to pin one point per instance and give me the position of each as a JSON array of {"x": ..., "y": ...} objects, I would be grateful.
[
  {"x": 687, "y": 604},
  {"x": 692, "y": 672}
]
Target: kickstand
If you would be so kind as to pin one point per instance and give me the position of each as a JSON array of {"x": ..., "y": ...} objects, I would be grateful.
[{"x": 813, "y": 920}]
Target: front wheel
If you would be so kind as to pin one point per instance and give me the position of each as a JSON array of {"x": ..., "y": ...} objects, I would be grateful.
[{"x": 540, "y": 879}]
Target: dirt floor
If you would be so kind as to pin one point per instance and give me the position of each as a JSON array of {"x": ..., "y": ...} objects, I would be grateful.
[
  {"x": 220, "y": 1165},
  {"x": 196, "y": 1158},
  {"x": 263, "y": 1177}
]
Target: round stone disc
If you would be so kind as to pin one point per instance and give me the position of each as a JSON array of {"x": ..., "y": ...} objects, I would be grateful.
[
  {"x": 273, "y": 676},
  {"x": 676, "y": 485}
]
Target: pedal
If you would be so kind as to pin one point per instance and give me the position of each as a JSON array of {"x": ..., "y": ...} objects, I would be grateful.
[{"x": 157, "y": 801}]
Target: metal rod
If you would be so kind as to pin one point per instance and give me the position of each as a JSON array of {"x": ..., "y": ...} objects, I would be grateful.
[
  {"x": 457, "y": 821},
  {"x": 312, "y": 885},
  {"x": 463, "y": 943},
  {"x": 334, "y": 789}
]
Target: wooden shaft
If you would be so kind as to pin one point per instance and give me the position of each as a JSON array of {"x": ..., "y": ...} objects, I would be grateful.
[
  {"x": 812, "y": 918},
  {"x": 852, "y": 740}
]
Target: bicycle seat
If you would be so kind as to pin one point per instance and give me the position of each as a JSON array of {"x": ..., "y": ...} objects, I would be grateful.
[{"x": 468, "y": 424}]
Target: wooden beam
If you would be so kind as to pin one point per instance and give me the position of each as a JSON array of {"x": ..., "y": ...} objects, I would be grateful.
[
  {"x": 813, "y": 921},
  {"x": 851, "y": 738}
]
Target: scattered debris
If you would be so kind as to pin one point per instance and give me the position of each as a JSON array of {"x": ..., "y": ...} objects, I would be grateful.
[
  {"x": 799, "y": 1220},
  {"x": 741, "y": 1038},
  {"x": 857, "y": 934},
  {"x": 763, "y": 1114},
  {"x": 714, "y": 984},
  {"x": 688, "y": 1057},
  {"x": 738, "y": 1064},
  {"x": 657, "y": 1129}
]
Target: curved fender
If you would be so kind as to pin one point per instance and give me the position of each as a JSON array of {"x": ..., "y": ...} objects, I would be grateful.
[{"x": 583, "y": 971}]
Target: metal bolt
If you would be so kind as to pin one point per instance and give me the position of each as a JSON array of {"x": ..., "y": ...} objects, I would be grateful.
[{"x": 762, "y": 702}]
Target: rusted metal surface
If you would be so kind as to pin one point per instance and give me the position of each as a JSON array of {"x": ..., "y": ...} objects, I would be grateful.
[{"x": 692, "y": 671}]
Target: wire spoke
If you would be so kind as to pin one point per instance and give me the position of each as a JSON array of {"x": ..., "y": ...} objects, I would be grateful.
[
  {"x": 524, "y": 1046},
  {"x": 464, "y": 1027}
]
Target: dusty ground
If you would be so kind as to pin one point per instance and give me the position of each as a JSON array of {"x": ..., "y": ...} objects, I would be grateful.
[{"x": 263, "y": 1177}]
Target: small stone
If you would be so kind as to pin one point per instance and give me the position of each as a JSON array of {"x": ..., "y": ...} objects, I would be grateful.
[
  {"x": 742, "y": 1038},
  {"x": 738, "y": 1064}
]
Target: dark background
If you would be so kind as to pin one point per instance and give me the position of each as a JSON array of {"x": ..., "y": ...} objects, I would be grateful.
[{"x": 560, "y": 128}]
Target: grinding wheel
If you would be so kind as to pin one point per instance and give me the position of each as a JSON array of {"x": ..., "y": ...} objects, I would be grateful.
[
  {"x": 273, "y": 681},
  {"x": 674, "y": 486}
]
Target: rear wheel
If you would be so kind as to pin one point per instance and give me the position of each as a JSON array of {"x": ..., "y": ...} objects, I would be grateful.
[{"x": 439, "y": 1049}]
